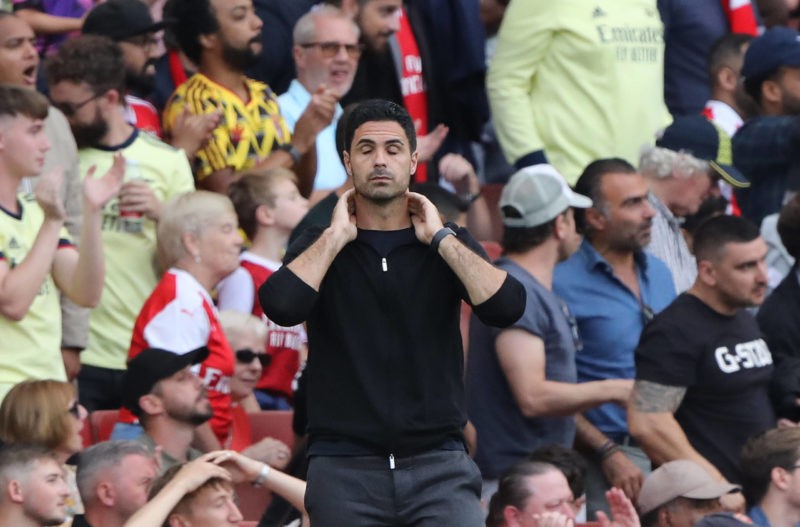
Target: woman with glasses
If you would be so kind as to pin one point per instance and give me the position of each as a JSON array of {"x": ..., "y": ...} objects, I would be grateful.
[{"x": 47, "y": 413}]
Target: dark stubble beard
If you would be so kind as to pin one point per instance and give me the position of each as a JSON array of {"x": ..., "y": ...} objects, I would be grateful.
[
  {"x": 240, "y": 59},
  {"x": 89, "y": 135}
]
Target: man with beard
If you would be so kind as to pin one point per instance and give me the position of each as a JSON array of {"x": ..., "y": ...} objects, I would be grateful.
[
  {"x": 223, "y": 38},
  {"x": 612, "y": 288},
  {"x": 170, "y": 401},
  {"x": 86, "y": 79},
  {"x": 702, "y": 367},
  {"x": 19, "y": 65},
  {"x": 766, "y": 147},
  {"x": 34, "y": 490},
  {"x": 326, "y": 51},
  {"x": 380, "y": 289},
  {"x": 130, "y": 25}
]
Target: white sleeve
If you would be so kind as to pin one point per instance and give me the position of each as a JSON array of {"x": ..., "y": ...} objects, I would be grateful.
[
  {"x": 182, "y": 326},
  {"x": 236, "y": 292}
]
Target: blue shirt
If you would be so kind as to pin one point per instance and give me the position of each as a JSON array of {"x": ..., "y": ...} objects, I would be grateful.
[
  {"x": 330, "y": 171},
  {"x": 610, "y": 319}
]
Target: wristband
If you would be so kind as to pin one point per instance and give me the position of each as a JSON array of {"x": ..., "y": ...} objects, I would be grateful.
[
  {"x": 469, "y": 199},
  {"x": 262, "y": 476},
  {"x": 607, "y": 450},
  {"x": 439, "y": 236},
  {"x": 290, "y": 149}
]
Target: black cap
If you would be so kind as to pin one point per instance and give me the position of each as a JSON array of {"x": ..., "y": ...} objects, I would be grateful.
[
  {"x": 696, "y": 135},
  {"x": 777, "y": 47},
  {"x": 150, "y": 366},
  {"x": 120, "y": 19}
]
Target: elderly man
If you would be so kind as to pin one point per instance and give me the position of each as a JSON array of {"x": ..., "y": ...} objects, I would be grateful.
[
  {"x": 681, "y": 172},
  {"x": 326, "y": 52}
]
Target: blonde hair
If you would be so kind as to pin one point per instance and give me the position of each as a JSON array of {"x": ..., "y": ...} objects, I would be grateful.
[
  {"x": 35, "y": 412},
  {"x": 188, "y": 213},
  {"x": 235, "y": 324},
  {"x": 661, "y": 163},
  {"x": 251, "y": 191}
]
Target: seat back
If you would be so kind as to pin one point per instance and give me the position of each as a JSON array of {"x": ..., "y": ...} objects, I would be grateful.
[{"x": 102, "y": 423}]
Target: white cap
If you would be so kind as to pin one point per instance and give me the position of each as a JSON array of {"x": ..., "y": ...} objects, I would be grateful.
[{"x": 539, "y": 194}]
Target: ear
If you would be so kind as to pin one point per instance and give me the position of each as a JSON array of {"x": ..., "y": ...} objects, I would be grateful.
[
  {"x": 176, "y": 520},
  {"x": 208, "y": 41},
  {"x": 707, "y": 273},
  {"x": 190, "y": 242},
  {"x": 151, "y": 404},
  {"x": 15, "y": 493},
  {"x": 347, "y": 167},
  {"x": 727, "y": 79},
  {"x": 299, "y": 57},
  {"x": 771, "y": 91},
  {"x": 511, "y": 515},
  {"x": 779, "y": 477},
  {"x": 560, "y": 229},
  {"x": 265, "y": 215},
  {"x": 106, "y": 493},
  {"x": 595, "y": 219},
  {"x": 414, "y": 160}
]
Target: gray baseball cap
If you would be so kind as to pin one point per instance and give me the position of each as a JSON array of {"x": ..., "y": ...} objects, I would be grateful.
[
  {"x": 538, "y": 194},
  {"x": 679, "y": 479}
]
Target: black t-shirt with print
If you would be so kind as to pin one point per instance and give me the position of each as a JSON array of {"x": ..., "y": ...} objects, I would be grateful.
[{"x": 725, "y": 366}]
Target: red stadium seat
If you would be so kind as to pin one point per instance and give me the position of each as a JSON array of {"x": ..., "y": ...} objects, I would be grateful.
[
  {"x": 102, "y": 423},
  {"x": 272, "y": 423}
]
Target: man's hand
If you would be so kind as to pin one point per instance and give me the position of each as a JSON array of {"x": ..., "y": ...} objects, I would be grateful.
[
  {"x": 460, "y": 172},
  {"x": 343, "y": 220},
  {"x": 138, "y": 197},
  {"x": 733, "y": 502},
  {"x": 271, "y": 451},
  {"x": 48, "y": 194},
  {"x": 72, "y": 362},
  {"x": 97, "y": 191},
  {"x": 428, "y": 145},
  {"x": 194, "y": 473},
  {"x": 622, "y": 510},
  {"x": 623, "y": 474},
  {"x": 620, "y": 390},
  {"x": 240, "y": 468},
  {"x": 191, "y": 131},
  {"x": 317, "y": 115},
  {"x": 424, "y": 216}
]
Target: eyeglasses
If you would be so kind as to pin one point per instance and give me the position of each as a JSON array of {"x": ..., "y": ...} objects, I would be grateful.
[
  {"x": 75, "y": 409},
  {"x": 331, "y": 49},
  {"x": 143, "y": 41},
  {"x": 573, "y": 325},
  {"x": 71, "y": 108},
  {"x": 247, "y": 355}
]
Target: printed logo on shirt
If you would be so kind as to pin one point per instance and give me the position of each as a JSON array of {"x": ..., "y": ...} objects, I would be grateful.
[
  {"x": 13, "y": 244},
  {"x": 598, "y": 12},
  {"x": 747, "y": 355}
]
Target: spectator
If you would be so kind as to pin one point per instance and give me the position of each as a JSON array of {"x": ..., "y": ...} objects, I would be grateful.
[
  {"x": 268, "y": 207},
  {"x": 47, "y": 414},
  {"x": 573, "y": 466},
  {"x": 87, "y": 82},
  {"x": 779, "y": 322},
  {"x": 53, "y": 22},
  {"x": 600, "y": 64},
  {"x": 769, "y": 462},
  {"x": 35, "y": 252},
  {"x": 612, "y": 288},
  {"x": 201, "y": 492},
  {"x": 678, "y": 494},
  {"x": 681, "y": 172},
  {"x": 382, "y": 234},
  {"x": 522, "y": 390},
  {"x": 535, "y": 493},
  {"x": 19, "y": 65},
  {"x": 702, "y": 368},
  {"x": 34, "y": 492},
  {"x": 223, "y": 38},
  {"x": 198, "y": 245},
  {"x": 690, "y": 31},
  {"x": 113, "y": 478},
  {"x": 765, "y": 148},
  {"x": 326, "y": 52},
  {"x": 130, "y": 25},
  {"x": 729, "y": 104}
]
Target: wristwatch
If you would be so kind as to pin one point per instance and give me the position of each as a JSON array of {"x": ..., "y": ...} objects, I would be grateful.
[{"x": 291, "y": 150}]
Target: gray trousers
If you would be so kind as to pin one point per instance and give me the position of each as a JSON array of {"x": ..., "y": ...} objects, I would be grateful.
[{"x": 440, "y": 487}]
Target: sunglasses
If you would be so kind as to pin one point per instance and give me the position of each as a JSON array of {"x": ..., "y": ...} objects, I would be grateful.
[
  {"x": 247, "y": 355},
  {"x": 75, "y": 409},
  {"x": 71, "y": 108},
  {"x": 331, "y": 49}
]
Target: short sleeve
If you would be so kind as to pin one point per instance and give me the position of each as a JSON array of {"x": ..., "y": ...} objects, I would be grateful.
[{"x": 666, "y": 356}]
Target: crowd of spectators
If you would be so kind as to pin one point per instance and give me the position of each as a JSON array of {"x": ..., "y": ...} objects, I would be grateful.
[{"x": 215, "y": 208}]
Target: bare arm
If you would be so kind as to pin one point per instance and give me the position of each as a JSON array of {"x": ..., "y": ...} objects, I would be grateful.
[
  {"x": 522, "y": 358},
  {"x": 44, "y": 24},
  {"x": 618, "y": 469},
  {"x": 82, "y": 278},
  {"x": 652, "y": 423}
]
